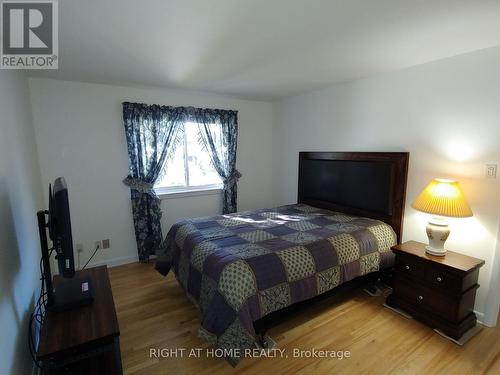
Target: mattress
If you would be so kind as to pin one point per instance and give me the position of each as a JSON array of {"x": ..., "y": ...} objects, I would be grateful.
[{"x": 240, "y": 267}]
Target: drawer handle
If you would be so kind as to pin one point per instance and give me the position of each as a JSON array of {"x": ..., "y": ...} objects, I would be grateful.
[
  {"x": 407, "y": 267},
  {"x": 439, "y": 279},
  {"x": 421, "y": 298}
]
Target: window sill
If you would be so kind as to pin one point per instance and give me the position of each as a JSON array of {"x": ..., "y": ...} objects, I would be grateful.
[{"x": 183, "y": 193}]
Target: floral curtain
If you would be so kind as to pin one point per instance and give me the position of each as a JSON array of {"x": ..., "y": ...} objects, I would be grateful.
[
  {"x": 152, "y": 132},
  {"x": 218, "y": 134}
]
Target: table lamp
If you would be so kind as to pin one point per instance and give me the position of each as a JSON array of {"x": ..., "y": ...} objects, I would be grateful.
[{"x": 441, "y": 198}]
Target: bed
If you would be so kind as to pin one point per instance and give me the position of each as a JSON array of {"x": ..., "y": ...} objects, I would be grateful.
[{"x": 241, "y": 268}]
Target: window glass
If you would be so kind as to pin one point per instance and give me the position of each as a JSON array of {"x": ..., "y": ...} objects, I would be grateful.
[
  {"x": 190, "y": 164},
  {"x": 200, "y": 168}
]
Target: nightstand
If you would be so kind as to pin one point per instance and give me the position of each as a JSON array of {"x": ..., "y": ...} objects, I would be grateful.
[{"x": 439, "y": 291}]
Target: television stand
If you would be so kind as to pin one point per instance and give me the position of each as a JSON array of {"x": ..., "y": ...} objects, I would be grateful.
[{"x": 84, "y": 340}]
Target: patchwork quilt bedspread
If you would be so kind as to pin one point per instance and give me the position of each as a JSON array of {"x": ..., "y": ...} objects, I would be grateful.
[{"x": 240, "y": 267}]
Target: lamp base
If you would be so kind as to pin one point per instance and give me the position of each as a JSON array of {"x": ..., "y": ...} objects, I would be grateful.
[
  {"x": 435, "y": 252},
  {"x": 437, "y": 231}
]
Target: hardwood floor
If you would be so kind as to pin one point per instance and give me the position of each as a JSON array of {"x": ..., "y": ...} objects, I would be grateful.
[{"x": 153, "y": 312}]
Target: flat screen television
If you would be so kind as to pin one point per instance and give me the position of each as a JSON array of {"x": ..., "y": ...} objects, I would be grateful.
[
  {"x": 72, "y": 290},
  {"x": 60, "y": 227}
]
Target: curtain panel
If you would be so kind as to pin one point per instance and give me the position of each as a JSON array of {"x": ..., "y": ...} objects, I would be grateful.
[
  {"x": 152, "y": 131},
  {"x": 219, "y": 134}
]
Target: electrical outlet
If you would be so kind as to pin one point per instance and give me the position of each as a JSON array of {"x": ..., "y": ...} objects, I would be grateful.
[
  {"x": 491, "y": 171},
  {"x": 97, "y": 244},
  {"x": 79, "y": 248},
  {"x": 105, "y": 244}
]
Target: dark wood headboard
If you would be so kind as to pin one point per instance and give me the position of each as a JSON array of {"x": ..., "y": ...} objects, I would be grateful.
[{"x": 369, "y": 184}]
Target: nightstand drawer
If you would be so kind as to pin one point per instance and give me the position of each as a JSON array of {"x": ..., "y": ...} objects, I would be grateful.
[
  {"x": 407, "y": 265},
  {"x": 423, "y": 297},
  {"x": 443, "y": 280}
]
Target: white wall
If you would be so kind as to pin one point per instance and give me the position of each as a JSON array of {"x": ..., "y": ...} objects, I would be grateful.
[
  {"x": 80, "y": 135},
  {"x": 446, "y": 114},
  {"x": 20, "y": 199}
]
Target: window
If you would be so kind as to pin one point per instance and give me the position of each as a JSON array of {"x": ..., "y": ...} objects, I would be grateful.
[{"x": 190, "y": 167}]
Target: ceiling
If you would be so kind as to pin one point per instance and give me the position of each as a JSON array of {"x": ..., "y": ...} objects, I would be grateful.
[{"x": 262, "y": 49}]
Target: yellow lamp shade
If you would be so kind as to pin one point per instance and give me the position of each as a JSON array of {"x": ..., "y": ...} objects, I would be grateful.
[{"x": 444, "y": 198}]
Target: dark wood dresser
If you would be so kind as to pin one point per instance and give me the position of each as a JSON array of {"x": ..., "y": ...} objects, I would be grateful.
[
  {"x": 439, "y": 291},
  {"x": 84, "y": 340}
]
